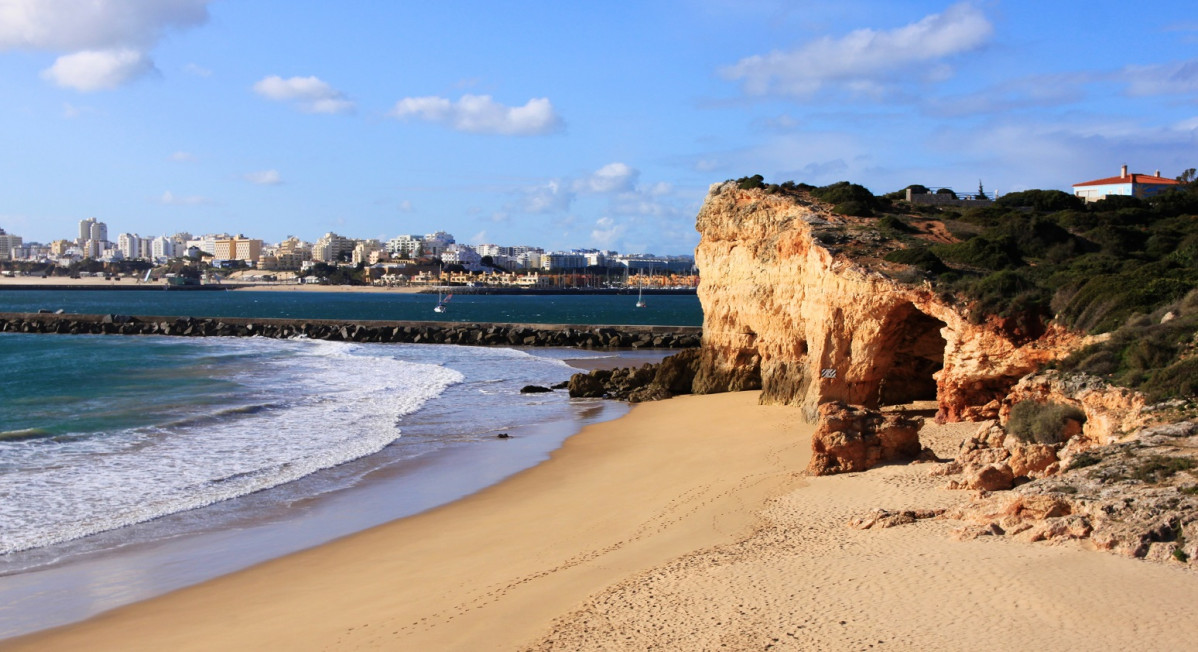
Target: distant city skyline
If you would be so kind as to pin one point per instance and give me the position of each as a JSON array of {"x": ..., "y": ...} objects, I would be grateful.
[{"x": 561, "y": 125}]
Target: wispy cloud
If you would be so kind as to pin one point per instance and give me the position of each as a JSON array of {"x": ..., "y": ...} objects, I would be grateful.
[
  {"x": 866, "y": 60},
  {"x": 1030, "y": 92},
  {"x": 613, "y": 177},
  {"x": 481, "y": 114},
  {"x": 197, "y": 70},
  {"x": 264, "y": 178},
  {"x": 1174, "y": 78},
  {"x": 182, "y": 157},
  {"x": 168, "y": 198},
  {"x": 607, "y": 232},
  {"x": 309, "y": 94},
  {"x": 71, "y": 111}
]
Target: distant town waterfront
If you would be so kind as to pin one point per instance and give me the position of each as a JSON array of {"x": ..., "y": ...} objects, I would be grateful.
[{"x": 616, "y": 310}]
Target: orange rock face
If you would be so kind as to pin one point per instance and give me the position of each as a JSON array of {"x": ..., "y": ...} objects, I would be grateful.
[
  {"x": 805, "y": 323},
  {"x": 852, "y": 438}
]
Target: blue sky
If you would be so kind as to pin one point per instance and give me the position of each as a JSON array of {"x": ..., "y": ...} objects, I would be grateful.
[{"x": 562, "y": 124}]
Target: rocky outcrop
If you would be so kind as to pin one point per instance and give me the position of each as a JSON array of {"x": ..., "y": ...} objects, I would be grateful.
[
  {"x": 672, "y": 376},
  {"x": 1137, "y": 498},
  {"x": 662, "y": 337},
  {"x": 853, "y": 438},
  {"x": 1111, "y": 412},
  {"x": 787, "y": 310}
]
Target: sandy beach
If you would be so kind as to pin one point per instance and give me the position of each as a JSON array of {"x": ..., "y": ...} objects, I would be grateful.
[{"x": 685, "y": 525}]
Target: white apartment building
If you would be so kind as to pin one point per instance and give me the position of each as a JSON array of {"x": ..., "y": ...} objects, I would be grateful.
[
  {"x": 528, "y": 260},
  {"x": 363, "y": 251},
  {"x": 206, "y": 243},
  {"x": 406, "y": 246},
  {"x": 92, "y": 229},
  {"x": 463, "y": 255},
  {"x": 331, "y": 247},
  {"x": 162, "y": 248},
  {"x": 130, "y": 246},
  {"x": 435, "y": 244},
  {"x": 8, "y": 242},
  {"x": 561, "y": 260}
]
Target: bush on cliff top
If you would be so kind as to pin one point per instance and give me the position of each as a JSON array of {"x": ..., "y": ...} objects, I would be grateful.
[{"x": 1156, "y": 354}]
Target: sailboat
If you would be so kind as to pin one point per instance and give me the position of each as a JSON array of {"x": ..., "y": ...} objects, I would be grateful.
[
  {"x": 442, "y": 299},
  {"x": 640, "y": 300}
]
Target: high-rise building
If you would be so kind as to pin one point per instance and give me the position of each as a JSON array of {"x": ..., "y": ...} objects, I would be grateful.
[
  {"x": 238, "y": 247},
  {"x": 331, "y": 248},
  {"x": 92, "y": 229},
  {"x": 130, "y": 245},
  {"x": 7, "y": 243}
]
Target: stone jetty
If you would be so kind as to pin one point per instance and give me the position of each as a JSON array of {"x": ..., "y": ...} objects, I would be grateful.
[{"x": 414, "y": 332}]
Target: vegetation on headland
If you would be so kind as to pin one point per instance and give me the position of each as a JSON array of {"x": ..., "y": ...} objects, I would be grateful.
[{"x": 1121, "y": 266}]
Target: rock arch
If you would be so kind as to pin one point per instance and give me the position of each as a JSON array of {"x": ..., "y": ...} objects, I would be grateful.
[{"x": 910, "y": 355}]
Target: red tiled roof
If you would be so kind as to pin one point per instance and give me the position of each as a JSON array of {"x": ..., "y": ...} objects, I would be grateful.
[{"x": 1131, "y": 178}]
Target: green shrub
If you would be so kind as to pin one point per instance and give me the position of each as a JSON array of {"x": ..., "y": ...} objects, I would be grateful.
[
  {"x": 918, "y": 257},
  {"x": 750, "y": 183},
  {"x": 843, "y": 191},
  {"x": 1084, "y": 459},
  {"x": 892, "y": 223},
  {"x": 1158, "y": 468},
  {"x": 854, "y": 208},
  {"x": 1043, "y": 200},
  {"x": 1041, "y": 423},
  {"x": 1000, "y": 252}
]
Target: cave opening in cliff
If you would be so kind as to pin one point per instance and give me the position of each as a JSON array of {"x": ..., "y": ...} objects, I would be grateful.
[{"x": 913, "y": 351}]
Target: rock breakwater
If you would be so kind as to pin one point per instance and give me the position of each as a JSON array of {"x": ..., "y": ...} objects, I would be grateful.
[{"x": 593, "y": 337}]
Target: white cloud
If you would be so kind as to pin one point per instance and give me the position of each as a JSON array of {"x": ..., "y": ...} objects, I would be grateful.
[
  {"x": 613, "y": 177},
  {"x": 1011, "y": 95},
  {"x": 405, "y": 206},
  {"x": 197, "y": 70},
  {"x": 71, "y": 111},
  {"x": 105, "y": 42},
  {"x": 310, "y": 94},
  {"x": 481, "y": 114},
  {"x": 182, "y": 157},
  {"x": 95, "y": 70},
  {"x": 168, "y": 198},
  {"x": 865, "y": 59},
  {"x": 73, "y": 25},
  {"x": 1176, "y": 78},
  {"x": 607, "y": 233},
  {"x": 550, "y": 197},
  {"x": 264, "y": 178}
]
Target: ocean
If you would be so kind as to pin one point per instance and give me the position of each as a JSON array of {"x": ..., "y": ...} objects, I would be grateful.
[
  {"x": 160, "y": 452},
  {"x": 589, "y": 309}
]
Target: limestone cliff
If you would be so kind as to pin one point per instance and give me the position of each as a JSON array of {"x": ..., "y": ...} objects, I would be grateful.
[{"x": 790, "y": 307}]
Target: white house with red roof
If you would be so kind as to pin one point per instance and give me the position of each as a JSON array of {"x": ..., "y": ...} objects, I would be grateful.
[{"x": 1130, "y": 185}]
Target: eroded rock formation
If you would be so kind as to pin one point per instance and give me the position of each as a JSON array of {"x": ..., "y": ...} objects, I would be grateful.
[
  {"x": 853, "y": 438},
  {"x": 787, "y": 311}
]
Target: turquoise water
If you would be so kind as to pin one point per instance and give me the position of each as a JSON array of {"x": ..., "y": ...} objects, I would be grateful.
[
  {"x": 662, "y": 310},
  {"x": 98, "y": 433}
]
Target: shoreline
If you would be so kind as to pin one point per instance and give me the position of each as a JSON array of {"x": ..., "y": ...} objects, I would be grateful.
[
  {"x": 684, "y": 524},
  {"x": 69, "y": 582},
  {"x": 234, "y": 285}
]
